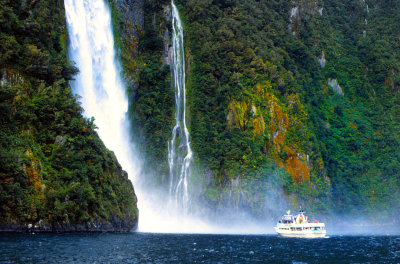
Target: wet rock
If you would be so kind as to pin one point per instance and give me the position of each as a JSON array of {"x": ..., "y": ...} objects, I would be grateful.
[
  {"x": 60, "y": 140},
  {"x": 322, "y": 60},
  {"x": 302, "y": 9},
  {"x": 333, "y": 83}
]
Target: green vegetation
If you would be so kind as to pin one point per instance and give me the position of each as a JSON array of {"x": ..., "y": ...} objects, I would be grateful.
[
  {"x": 149, "y": 84},
  {"x": 265, "y": 124},
  {"x": 54, "y": 169},
  {"x": 258, "y": 97},
  {"x": 351, "y": 140}
]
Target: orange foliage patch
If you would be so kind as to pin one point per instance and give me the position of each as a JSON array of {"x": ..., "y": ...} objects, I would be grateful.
[
  {"x": 353, "y": 125},
  {"x": 297, "y": 167},
  {"x": 32, "y": 171},
  {"x": 252, "y": 111},
  {"x": 5, "y": 179},
  {"x": 327, "y": 90},
  {"x": 279, "y": 124}
]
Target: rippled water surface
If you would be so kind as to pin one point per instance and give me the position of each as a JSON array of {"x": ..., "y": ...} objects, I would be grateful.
[{"x": 175, "y": 248}]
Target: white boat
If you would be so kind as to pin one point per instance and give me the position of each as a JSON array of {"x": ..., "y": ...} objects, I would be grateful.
[{"x": 299, "y": 226}]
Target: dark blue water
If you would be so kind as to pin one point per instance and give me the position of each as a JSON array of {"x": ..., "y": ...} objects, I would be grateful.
[{"x": 167, "y": 248}]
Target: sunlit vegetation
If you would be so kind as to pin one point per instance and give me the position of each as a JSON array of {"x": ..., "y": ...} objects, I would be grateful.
[
  {"x": 263, "y": 119},
  {"x": 258, "y": 95},
  {"x": 347, "y": 142}
]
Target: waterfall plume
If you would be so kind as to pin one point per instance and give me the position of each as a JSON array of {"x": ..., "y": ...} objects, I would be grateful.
[
  {"x": 99, "y": 84},
  {"x": 103, "y": 96}
]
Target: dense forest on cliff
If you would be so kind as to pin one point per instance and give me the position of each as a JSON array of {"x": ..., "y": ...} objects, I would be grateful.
[
  {"x": 301, "y": 95},
  {"x": 290, "y": 103},
  {"x": 55, "y": 172}
]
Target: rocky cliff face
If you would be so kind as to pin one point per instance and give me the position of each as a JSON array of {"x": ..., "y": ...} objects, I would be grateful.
[
  {"x": 294, "y": 83},
  {"x": 145, "y": 47},
  {"x": 129, "y": 24},
  {"x": 299, "y": 97}
]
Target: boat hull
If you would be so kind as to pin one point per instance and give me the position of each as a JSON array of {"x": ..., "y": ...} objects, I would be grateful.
[{"x": 302, "y": 234}]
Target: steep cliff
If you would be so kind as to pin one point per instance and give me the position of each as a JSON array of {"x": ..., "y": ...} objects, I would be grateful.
[
  {"x": 288, "y": 101},
  {"x": 307, "y": 85},
  {"x": 145, "y": 45},
  {"x": 55, "y": 172}
]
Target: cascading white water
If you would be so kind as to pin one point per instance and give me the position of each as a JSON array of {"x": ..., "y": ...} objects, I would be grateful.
[
  {"x": 103, "y": 96},
  {"x": 179, "y": 151},
  {"x": 99, "y": 83}
]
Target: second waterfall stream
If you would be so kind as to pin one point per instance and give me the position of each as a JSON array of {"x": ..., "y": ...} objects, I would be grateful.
[
  {"x": 103, "y": 96},
  {"x": 179, "y": 151}
]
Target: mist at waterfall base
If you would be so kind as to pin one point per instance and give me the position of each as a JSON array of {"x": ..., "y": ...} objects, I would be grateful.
[
  {"x": 231, "y": 216},
  {"x": 103, "y": 96},
  {"x": 186, "y": 210},
  {"x": 102, "y": 91}
]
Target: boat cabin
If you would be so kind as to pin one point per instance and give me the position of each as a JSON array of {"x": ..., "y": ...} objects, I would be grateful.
[{"x": 299, "y": 226}]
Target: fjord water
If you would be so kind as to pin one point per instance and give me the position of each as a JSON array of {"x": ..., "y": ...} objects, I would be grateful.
[{"x": 170, "y": 248}]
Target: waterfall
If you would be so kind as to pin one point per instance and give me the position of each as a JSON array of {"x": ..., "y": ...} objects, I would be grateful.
[
  {"x": 103, "y": 96},
  {"x": 179, "y": 151},
  {"x": 99, "y": 83}
]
